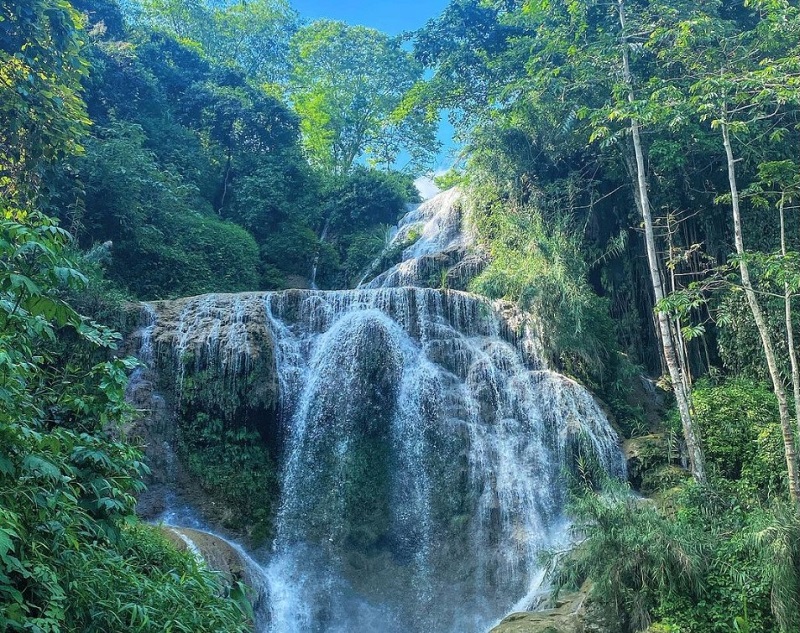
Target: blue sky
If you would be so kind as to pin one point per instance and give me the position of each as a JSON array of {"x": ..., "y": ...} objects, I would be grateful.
[{"x": 390, "y": 16}]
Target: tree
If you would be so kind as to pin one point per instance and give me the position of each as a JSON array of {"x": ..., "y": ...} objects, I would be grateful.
[
  {"x": 585, "y": 38},
  {"x": 731, "y": 95},
  {"x": 72, "y": 553},
  {"x": 465, "y": 47},
  {"x": 41, "y": 113},
  {"x": 675, "y": 362},
  {"x": 348, "y": 83},
  {"x": 252, "y": 35},
  {"x": 782, "y": 179}
]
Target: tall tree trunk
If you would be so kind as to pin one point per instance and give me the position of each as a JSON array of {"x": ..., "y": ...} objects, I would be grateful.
[
  {"x": 789, "y": 327},
  {"x": 676, "y": 373},
  {"x": 226, "y": 180},
  {"x": 761, "y": 324},
  {"x": 675, "y": 325}
]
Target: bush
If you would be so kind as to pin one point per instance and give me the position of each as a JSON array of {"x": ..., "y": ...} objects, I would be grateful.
[
  {"x": 694, "y": 568},
  {"x": 741, "y": 434},
  {"x": 73, "y": 556},
  {"x": 162, "y": 240},
  {"x": 634, "y": 556},
  {"x": 187, "y": 255}
]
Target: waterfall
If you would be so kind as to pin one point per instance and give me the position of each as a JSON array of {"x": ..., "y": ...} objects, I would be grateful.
[
  {"x": 145, "y": 352},
  {"x": 425, "y": 444},
  {"x": 437, "y": 247},
  {"x": 424, "y": 471}
]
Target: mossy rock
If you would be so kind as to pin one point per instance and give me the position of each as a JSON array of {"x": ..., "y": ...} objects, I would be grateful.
[
  {"x": 577, "y": 612},
  {"x": 217, "y": 554},
  {"x": 566, "y": 617},
  {"x": 545, "y": 622},
  {"x": 645, "y": 454},
  {"x": 222, "y": 557},
  {"x": 658, "y": 627}
]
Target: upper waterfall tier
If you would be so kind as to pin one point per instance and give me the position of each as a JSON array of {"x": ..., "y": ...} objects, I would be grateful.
[
  {"x": 437, "y": 247},
  {"x": 424, "y": 448}
]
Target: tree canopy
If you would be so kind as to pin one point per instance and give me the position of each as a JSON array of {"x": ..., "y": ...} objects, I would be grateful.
[{"x": 348, "y": 84}]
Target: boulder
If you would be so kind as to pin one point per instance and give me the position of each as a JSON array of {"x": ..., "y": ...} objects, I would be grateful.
[
  {"x": 572, "y": 613},
  {"x": 229, "y": 560},
  {"x": 645, "y": 454}
]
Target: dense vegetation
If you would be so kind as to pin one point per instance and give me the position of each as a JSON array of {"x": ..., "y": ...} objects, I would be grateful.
[
  {"x": 632, "y": 168},
  {"x": 639, "y": 160},
  {"x": 176, "y": 165},
  {"x": 205, "y": 170},
  {"x": 73, "y": 556}
]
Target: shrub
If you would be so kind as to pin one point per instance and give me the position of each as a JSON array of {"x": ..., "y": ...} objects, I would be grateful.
[{"x": 741, "y": 434}]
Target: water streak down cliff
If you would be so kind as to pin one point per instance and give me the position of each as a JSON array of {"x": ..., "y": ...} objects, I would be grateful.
[{"x": 424, "y": 450}]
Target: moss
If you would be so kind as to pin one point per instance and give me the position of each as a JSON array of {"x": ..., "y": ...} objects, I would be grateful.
[
  {"x": 645, "y": 454},
  {"x": 365, "y": 487},
  {"x": 236, "y": 469},
  {"x": 226, "y": 432},
  {"x": 659, "y": 627}
]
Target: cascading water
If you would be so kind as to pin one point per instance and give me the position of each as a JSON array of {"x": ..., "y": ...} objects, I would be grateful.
[
  {"x": 424, "y": 449},
  {"x": 424, "y": 465},
  {"x": 437, "y": 247}
]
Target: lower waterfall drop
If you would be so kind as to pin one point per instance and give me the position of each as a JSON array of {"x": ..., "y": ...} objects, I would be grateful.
[{"x": 424, "y": 465}]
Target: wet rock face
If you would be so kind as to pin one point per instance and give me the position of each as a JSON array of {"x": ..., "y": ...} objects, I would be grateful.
[
  {"x": 224, "y": 334},
  {"x": 435, "y": 246},
  {"x": 421, "y": 443},
  {"x": 573, "y": 613},
  {"x": 216, "y": 553},
  {"x": 208, "y": 361}
]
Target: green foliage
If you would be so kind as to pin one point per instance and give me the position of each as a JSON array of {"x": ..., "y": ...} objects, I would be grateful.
[
  {"x": 661, "y": 557},
  {"x": 225, "y": 431},
  {"x": 779, "y": 544},
  {"x": 700, "y": 564},
  {"x": 741, "y": 434},
  {"x": 280, "y": 203},
  {"x": 366, "y": 198},
  {"x": 449, "y": 179},
  {"x": 739, "y": 341},
  {"x": 231, "y": 463},
  {"x": 540, "y": 96},
  {"x": 253, "y": 35},
  {"x": 41, "y": 113},
  {"x": 159, "y": 246},
  {"x": 72, "y": 554},
  {"x": 466, "y": 46},
  {"x": 363, "y": 250},
  {"x": 359, "y": 207},
  {"x": 348, "y": 84},
  {"x": 180, "y": 144},
  {"x": 538, "y": 263},
  {"x": 742, "y": 554},
  {"x": 190, "y": 130}
]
